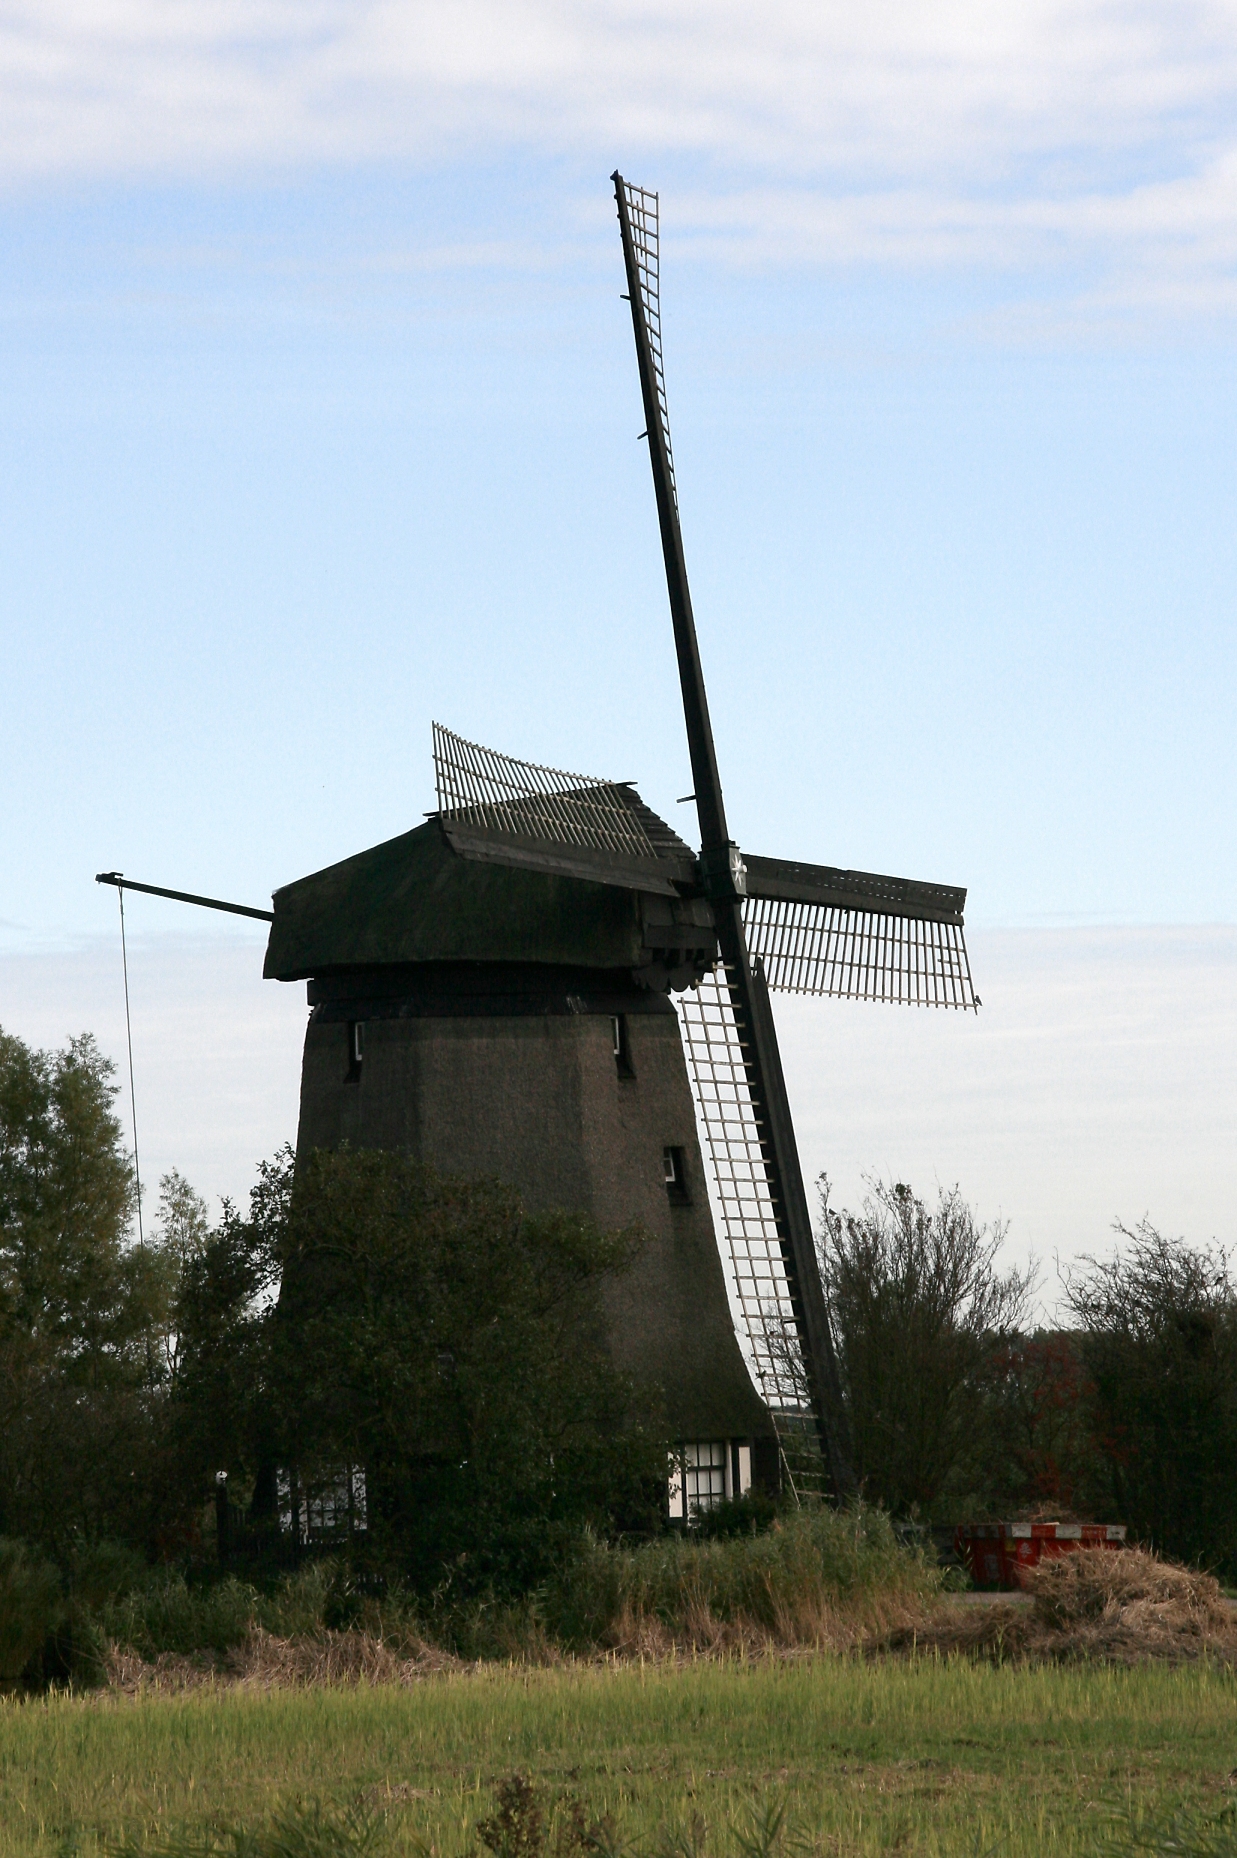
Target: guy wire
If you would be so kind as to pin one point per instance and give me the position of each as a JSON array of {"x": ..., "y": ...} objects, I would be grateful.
[{"x": 137, "y": 1172}]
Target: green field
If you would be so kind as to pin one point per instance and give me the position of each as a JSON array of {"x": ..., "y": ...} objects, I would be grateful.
[{"x": 917, "y": 1754}]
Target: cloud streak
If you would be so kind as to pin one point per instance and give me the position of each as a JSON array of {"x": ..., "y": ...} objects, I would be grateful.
[{"x": 1041, "y": 132}]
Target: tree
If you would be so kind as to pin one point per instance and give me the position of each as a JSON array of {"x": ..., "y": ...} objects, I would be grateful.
[
  {"x": 919, "y": 1311},
  {"x": 1159, "y": 1337},
  {"x": 181, "y": 1237},
  {"x": 433, "y": 1331},
  {"x": 78, "y": 1305},
  {"x": 229, "y": 1280}
]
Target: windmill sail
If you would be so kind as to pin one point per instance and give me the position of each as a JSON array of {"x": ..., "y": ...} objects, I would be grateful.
[
  {"x": 857, "y": 936},
  {"x": 518, "y": 813},
  {"x": 732, "y": 1141},
  {"x": 479, "y": 787},
  {"x": 859, "y": 954},
  {"x": 767, "y": 1111}
]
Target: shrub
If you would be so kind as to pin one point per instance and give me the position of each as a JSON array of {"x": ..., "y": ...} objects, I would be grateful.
[
  {"x": 432, "y": 1330},
  {"x": 31, "y": 1607},
  {"x": 1159, "y": 1337},
  {"x": 919, "y": 1308},
  {"x": 816, "y": 1576},
  {"x": 168, "y": 1615}
]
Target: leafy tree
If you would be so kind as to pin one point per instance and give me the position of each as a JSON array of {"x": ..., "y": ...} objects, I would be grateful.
[
  {"x": 433, "y": 1331},
  {"x": 181, "y": 1237},
  {"x": 919, "y": 1310},
  {"x": 229, "y": 1280},
  {"x": 79, "y": 1452},
  {"x": 1159, "y": 1338}
]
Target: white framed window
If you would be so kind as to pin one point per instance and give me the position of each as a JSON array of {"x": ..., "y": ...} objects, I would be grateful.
[
  {"x": 330, "y": 1508},
  {"x": 705, "y": 1465},
  {"x": 702, "y": 1473}
]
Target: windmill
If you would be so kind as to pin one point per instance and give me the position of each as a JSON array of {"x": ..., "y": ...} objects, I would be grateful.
[{"x": 493, "y": 990}]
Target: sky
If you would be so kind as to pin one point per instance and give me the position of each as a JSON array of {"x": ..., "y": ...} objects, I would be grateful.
[{"x": 318, "y": 417}]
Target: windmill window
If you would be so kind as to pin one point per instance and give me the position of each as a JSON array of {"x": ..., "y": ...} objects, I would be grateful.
[
  {"x": 356, "y": 1049},
  {"x": 622, "y": 1050},
  {"x": 674, "y": 1173},
  {"x": 699, "y": 1478},
  {"x": 330, "y": 1509}
]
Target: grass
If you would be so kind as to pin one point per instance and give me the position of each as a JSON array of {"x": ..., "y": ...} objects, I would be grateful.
[{"x": 922, "y": 1754}]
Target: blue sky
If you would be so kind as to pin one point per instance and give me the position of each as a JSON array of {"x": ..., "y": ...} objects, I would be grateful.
[{"x": 318, "y": 419}]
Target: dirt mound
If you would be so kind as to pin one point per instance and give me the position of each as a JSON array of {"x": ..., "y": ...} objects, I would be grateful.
[
  {"x": 266, "y": 1662},
  {"x": 1119, "y": 1606}
]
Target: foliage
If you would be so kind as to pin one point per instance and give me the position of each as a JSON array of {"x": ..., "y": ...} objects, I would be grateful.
[
  {"x": 814, "y": 1570},
  {"x": 229, "y": 1281},
  {"x": 166, "y": 1614},
  {"x": 305, "y": 1829},
  {"x": 919, "y": 1310},
  {"x": 1172, "y": 1831},
  {"x": 751, "y": 1514},
  {"x": 1037, "y": 1452},
  {"x": 527, "y": 1824},
  {"x": 181, "y": 1237},
  {"x": 80, "y": 1443},
  {"x": 31, "y": 1607},
  {"x": 1159, "y": 1339},
  {"x": 433, "y": 1331}
]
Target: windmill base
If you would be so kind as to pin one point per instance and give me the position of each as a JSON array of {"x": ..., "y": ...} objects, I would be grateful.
[{"x": 571, "y": 1086}]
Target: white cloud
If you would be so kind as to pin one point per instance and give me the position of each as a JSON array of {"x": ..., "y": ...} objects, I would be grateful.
[
  {"x": 959, "y": 133},
  {"x": 885, "y": 89}
]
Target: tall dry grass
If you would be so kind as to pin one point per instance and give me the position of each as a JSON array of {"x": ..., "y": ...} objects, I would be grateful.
[{"x": 818, "y": 1578}]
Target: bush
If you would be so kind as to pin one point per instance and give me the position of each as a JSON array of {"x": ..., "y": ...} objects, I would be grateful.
[
  {"x": 431, "y": 1330},
  {"x": 1159, "y": 1338},
  {"x": 32, "y": 1606},
  {"x": 919, "y": 1310},
  {"x": 816, "y": 1576},
  {"x": 168, "y": 1615}
]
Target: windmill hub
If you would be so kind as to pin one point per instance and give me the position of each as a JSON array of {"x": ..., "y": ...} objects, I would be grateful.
[{"x": 724, "y": 873}]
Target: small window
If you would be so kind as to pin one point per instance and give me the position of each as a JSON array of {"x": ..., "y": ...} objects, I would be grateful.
[
  {"x": 622, "y": 1051},
  {"x": 698, "y": 1479},
  {"x": 330, "y": 1509},
  {"x": 674, "y": 1173},
  {"x": 356, "y": 1049},
  {"x": 704, "y": 1467}
]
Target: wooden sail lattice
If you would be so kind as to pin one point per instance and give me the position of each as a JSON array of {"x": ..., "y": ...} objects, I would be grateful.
[
  {"x": 477, "y": 786},
  {"x": 753, "y": 1249},
  {"x": 854, "y": 954},
  {"x": 644, "y": 218}
]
